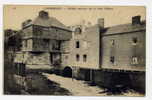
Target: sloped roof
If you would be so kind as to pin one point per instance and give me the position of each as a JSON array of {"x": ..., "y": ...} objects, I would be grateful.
[
  {"x": 50, "y": 21},
  {"x": 124, "y": 28}
]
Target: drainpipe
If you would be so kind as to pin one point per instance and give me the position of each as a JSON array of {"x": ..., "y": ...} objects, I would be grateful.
[{"x": 91, "y": 76}]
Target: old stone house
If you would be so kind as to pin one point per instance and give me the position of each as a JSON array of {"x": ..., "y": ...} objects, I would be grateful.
[
  {"x": 44, "y": 42},
  {"x": 101, "y": 54},
  {"x": 95, "y": 53}
]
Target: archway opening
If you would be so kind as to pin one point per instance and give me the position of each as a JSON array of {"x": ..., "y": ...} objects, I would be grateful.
[{"x": 67, "y": 72}]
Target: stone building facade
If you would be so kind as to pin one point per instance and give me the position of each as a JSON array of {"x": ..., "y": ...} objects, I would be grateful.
[
  {"x": 120, "y": 47},
  {"x": 102, "y": 54},
  {"x": 43, "y": 42}
]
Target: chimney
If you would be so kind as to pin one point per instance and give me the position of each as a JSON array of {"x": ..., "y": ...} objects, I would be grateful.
[
  {"x": 26, "y": 23},
  {"x": 43, "y": 14},
  {"x": 136, "y": 20},
  {"x": 101, "y": 22}
]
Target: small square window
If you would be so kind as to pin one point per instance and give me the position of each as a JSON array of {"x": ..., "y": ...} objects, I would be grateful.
[
  {"x": 134, "y": 60},
  {"x": 112, "y": 59},
  {"x": 84, "y": 58}
]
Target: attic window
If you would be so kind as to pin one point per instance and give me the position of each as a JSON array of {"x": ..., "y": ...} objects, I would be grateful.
[{"x": 43, "y": 14}]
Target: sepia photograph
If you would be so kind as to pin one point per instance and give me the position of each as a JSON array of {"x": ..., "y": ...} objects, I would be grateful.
[{"x": 74, "y": 50}]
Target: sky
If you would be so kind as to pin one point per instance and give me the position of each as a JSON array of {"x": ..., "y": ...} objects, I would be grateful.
[{"x": 14, "y": 15}]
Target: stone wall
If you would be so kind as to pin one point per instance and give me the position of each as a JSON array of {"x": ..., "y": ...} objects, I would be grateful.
[
  {"x": 89, "y": 46},
  {"x": 123, "y": 50},
  {"x": 38, "y": 58}
]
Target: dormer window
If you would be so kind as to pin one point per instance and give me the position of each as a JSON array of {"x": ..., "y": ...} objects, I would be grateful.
[
  {"x": 78, "y": 31},
  {"x": 43, "y": 14}
]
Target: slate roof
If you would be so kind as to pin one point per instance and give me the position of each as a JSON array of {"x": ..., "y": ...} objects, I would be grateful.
[
  {"x": 124, "y": 28},
  {"x": 47, "y": 22},
  {"x": 50, "y": 21}
]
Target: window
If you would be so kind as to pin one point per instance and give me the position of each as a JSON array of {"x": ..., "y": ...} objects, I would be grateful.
[
  {"x": 46, "y": 43},
  {"x": 135, "y": 40},
  {"x": 56, "y": 45},
  {"x": 77, "y": 57},
  {"x": 77, "y": 44},
  {"x": 84, "y": 58},
  {"x": 78, "y": 30},
  {"x": 134, "y": 60},
  {"x": 46, "y": 40},
  {"x": 112, "y": 59},
  {"x": 38, "y": 30},
  {"x": 112, "y": 42}
]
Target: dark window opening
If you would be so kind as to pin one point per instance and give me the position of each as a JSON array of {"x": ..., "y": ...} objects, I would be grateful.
[
  {"x": 77, "y": 57},
  {"x": 20, "y": 69},
  {"x": 77, "y": 44},
  {"x": 135, "y": 40},
  {"x": 46, "y": 43},
  {"x": 56, "y": 45},
  {"x": 112, "y": 59},
  {"x": 67, "y": 72},
  {"x": 78, "y": 31},
  {"x": 55, "y": 59},
  {"x": 84, "y": 58}
]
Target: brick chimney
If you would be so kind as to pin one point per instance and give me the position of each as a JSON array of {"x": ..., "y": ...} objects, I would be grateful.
[
  {"x": 136, "y": 20},
  {"x": 43, "y": 14},
  {"x": 100, "y": 22}
]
